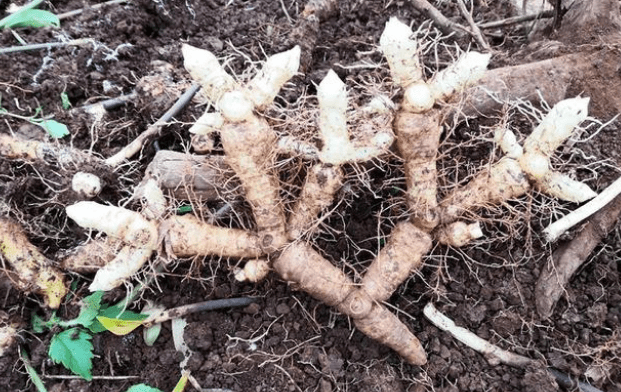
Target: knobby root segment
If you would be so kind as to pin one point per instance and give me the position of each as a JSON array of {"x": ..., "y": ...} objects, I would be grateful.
[
  {"x": 309, "y": 271},
  {"x": 249, "y": 148},
  {"x": 90, "y": 256},
  {"x": 570, "y": 256},
  {"x": 32, "y": 270},
  {"x": 418, "y": 138},
  {"x": 499, "y": 182},
  {"x": 402, "y": 255},
  {"x": 322, "y": 183},
  {"x": 187, "y": 236}
]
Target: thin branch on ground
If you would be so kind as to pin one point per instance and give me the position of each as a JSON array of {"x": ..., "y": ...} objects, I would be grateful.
[
  {"x": 476, "y": 32},
  {"x": 70, "y": 14},
  {"x": 197, "y": 307},
  {"x": 135, "y": 146},
  {"x": 495, "y": 354},
  {"x": 48, "y": 45},
  {"x": 515, "y": 20},
  {"x": 446, "y": 25}
]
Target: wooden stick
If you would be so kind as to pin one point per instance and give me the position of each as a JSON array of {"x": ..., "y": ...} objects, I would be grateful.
[
  {"x": 69, "y": 14},
  {"x": 446, "y": 25},
  {"x": 476, "y": 33},
  {"x": 570, "y": 256},
  {"x": 181, "y": 311},
  {"x": 515, "y": 20},
  {"x": 48, "y": 45},
  {"x": 556, "y": 229}
]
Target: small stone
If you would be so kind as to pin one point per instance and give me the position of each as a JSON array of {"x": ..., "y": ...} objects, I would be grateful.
[
  {"x": 325, "y": 385},
  {"x": 283, "y": 308}
]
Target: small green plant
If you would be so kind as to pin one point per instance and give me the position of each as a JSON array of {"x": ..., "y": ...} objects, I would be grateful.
[
  {"x": 64, "y": 98},
  {"x": 28, "y": 16},
  {"x": 52, "y": 127},
  {"x": 72, "y": 347},
  {"x": 142, "y": 388}
]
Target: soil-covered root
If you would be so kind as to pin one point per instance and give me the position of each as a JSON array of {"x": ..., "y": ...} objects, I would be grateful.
[
  {"x": 418, "y": 123},
  {"x": 17, "y": 148},
  {"x": 499, "y": 182},
  {"x": 31, "y": 271},
  {"x": 89, "y": 257},
  {"x": 418, "y": 138},
  {"x": 570, "y": 256},
  {"x": 187, "y": 236},
  {"x": 249, "y": 148},
  {"x": 322, "y": 183},
  {"x": 249, "y": 142},
  {"x": 306, "y": 269}
]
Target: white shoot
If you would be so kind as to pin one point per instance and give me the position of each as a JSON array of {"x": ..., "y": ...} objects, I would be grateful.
[
  {"x": 154, "y": 199},
  {"x": 253, "y": 271},
  {"x": 557, "y": 228},
  {"x": 127, "y": 262},
  {"x": 276, "y": 71},
  {"x": 467, "y": 70},
  {"x": 206, "y": 70},
  {"x": 459, "y": 233},
  {"x": 563, "y": 187},
  {"x": 418, "y": 98},
  {"x": 508, "y": 143},
  {"x": 116, "y": 222},
  {"x": 235, "y": 106},
  {"x": 401, "y": 53},
  {"x": 332, "y": 97},
  {"x": 557, "y": 126},
  {"x": 207, "y": 124}
]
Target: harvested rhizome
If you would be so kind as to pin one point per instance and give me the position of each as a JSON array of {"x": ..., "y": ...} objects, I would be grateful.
[{"x": 339, "y": 168}]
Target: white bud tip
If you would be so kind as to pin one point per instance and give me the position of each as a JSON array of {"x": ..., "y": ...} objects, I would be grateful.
[
  {"x": 418, "y": 98},
  {"x": 331, "y": 89},
  {"x": 395, "y": 31}
]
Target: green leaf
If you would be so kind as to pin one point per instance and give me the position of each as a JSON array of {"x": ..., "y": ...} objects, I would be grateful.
[
  {"x": 53, "y": 128},
  {"x": 184, "y": 209},
  {"x": 115, "y": 312},
  {"x": 30, "y": 18},
  {"x": 142, "y": 388},
  {"x": 89, "y": 311},
  {"x": 38, "y": 324},
  {"x": 64, "y": 98},
  {"x": 74, "y": 350}
]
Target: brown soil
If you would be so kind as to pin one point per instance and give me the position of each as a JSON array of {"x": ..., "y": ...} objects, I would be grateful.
[{"x": 288, "y": 341}]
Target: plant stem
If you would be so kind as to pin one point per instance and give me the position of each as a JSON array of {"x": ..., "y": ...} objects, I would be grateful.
[{"x": 48, "y": 45}]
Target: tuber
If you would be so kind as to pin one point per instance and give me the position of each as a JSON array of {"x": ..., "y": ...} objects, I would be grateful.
[{"x": 33, "y": 271}]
